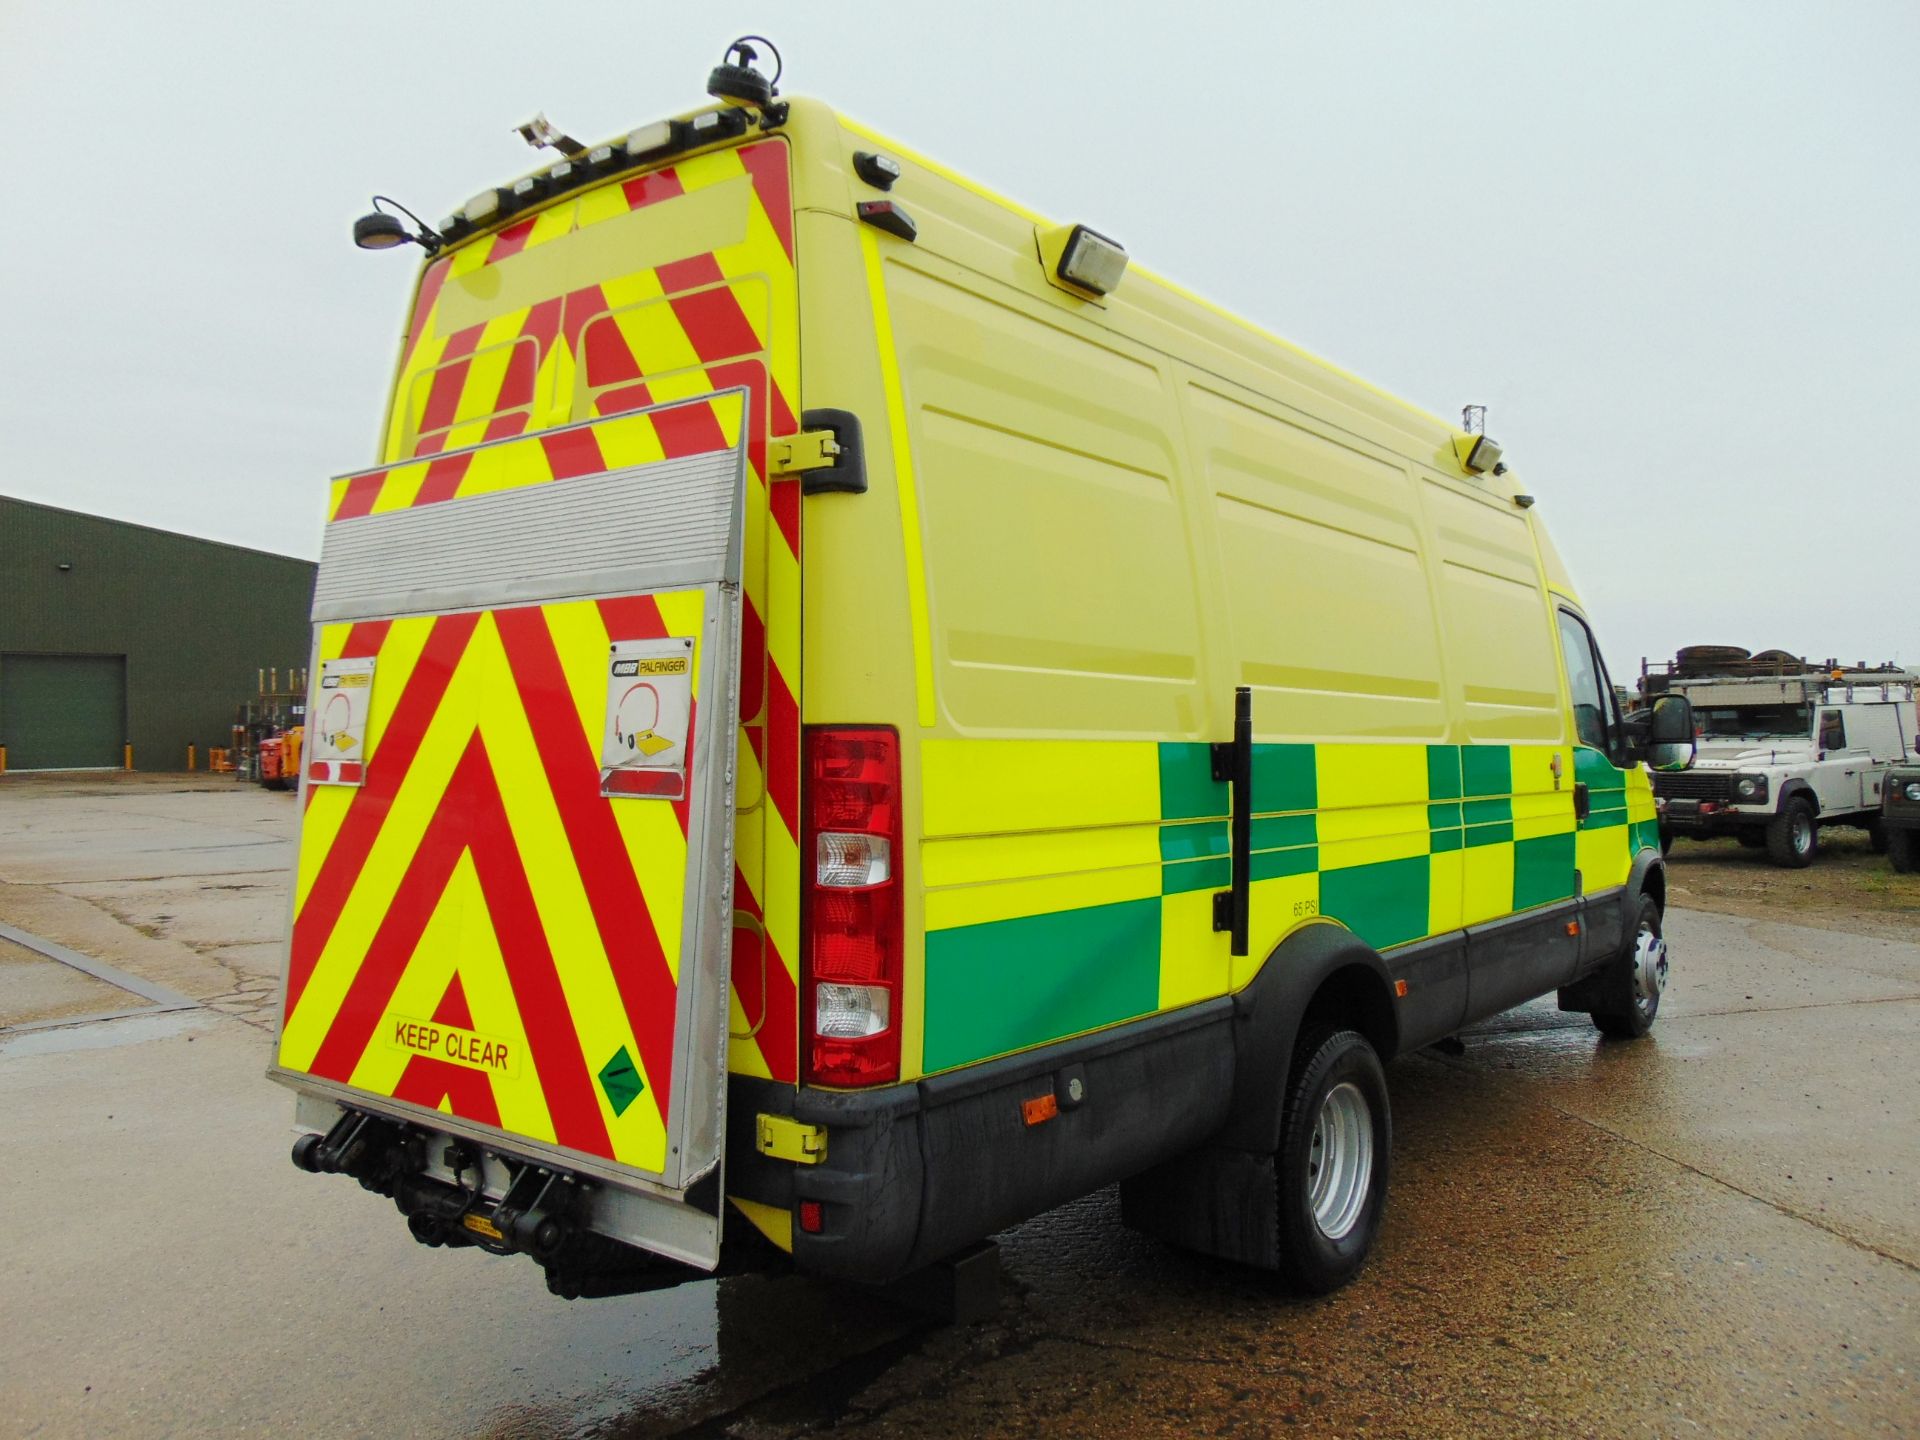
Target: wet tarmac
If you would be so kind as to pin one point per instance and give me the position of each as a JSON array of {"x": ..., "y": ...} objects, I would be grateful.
[{"x": 1713, "y": 1232}]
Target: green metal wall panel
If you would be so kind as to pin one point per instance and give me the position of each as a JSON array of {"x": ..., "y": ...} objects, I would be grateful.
[
  {"x": 63, "y": 712},
  {"x": 196, "y": 620}
]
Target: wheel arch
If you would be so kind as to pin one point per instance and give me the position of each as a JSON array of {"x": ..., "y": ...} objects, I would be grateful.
[
  {"x": 1647, "y": 877},
  {"x": 1797, "y": 789},
  {"x": 1321, "y": 973}
]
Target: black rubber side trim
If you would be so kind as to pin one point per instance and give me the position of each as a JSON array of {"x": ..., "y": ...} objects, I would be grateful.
[
  {"x": 1032, "y": 1064},
  {"x": 916, "y": 1172}
]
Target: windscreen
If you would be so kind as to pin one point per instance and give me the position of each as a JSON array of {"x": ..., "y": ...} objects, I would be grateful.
[{"x": 1755, "y": 720}]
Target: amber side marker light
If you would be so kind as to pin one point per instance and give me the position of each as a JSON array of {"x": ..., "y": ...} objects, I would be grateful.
[{"x": 1039, "y": 1109}]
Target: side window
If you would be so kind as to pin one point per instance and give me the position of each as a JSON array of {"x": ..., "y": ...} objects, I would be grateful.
[
  {"x": 1591, "y": 702},
  {"x": 1833, "y": 730}
]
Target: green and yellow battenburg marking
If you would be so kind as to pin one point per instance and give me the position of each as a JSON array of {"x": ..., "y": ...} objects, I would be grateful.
[{"x": 1070, "y": 883}]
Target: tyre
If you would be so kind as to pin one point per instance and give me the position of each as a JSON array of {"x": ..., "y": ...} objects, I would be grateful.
[
  {"x": 1751, "y": 839},
  {"x": 1901, "y": 845},
  {"x": 1877, "y": 837},
  {"x": 1792, "y": 836},
  {"x": 1634, "y": 980},
  {"x": 1333, "y": 1159},
  {"x": 1666, "y": 840}
]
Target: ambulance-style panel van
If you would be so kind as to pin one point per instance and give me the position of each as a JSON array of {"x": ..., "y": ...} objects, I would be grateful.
[{"x": 848, "y": 715}]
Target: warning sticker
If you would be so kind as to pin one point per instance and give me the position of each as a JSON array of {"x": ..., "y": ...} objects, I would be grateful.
[
  {"x": 337, "y": 727},
  {"x": 451, "y": 1043},
  {"x": 649, "y": 704}
]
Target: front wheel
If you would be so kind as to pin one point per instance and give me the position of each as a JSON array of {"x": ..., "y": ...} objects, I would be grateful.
[
  {"x": 1635, "y": 980},
  {"x": 1900, "y": 850},
  {"x": 1333, "y": 1160},
  {"x": 1791, "y": 836}
]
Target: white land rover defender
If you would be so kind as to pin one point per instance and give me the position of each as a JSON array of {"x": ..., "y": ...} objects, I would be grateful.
[{"x": 1783, "y": 755}]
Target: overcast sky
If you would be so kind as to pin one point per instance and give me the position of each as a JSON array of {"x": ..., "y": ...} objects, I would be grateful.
[{"x": 1673, "y": 246}]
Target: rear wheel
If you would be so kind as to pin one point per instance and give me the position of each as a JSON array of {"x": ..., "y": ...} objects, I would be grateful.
[
  {"x": 1900, "y": 850},
  {"x": 1635, "y": 979},
  {"x": 1791, "y": 835},
  {"x": 1333, "y": 1160}
]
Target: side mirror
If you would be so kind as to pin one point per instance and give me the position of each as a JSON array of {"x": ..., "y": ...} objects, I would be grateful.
[
  {"x": 1672, "y": 721},
  {"x": 1662, "y": 735},
  {"x": 1670, "y": 733}
]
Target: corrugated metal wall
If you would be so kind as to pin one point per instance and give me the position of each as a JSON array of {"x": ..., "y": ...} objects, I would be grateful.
[{"x": 196, "y": 620}]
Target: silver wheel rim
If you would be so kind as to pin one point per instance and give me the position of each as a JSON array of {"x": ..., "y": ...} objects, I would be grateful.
[
  {"x": 1340, "y": 1161},
  {"x": 1649, "y": 969},
  {"x": 1802, "y": 833}
]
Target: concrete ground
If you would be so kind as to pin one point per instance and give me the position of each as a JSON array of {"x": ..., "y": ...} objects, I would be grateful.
[{"x": 1712, "y": 1232}]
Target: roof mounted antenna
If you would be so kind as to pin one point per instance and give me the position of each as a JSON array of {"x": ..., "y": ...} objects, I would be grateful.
[
  {"x": 540, "y": 131},
  {"x": 742, "y": 84}
]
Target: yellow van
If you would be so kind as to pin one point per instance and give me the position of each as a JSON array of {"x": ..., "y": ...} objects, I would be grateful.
[{"x": 848, "y": 714}]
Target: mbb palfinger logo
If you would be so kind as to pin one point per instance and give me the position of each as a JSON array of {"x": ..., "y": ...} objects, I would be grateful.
[
  {"x": 339, "y": 740},
  {"x": 643, "y": 750}
]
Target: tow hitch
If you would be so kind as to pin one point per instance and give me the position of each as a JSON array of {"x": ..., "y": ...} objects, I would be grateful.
[{"x": 372, "y": 1151}]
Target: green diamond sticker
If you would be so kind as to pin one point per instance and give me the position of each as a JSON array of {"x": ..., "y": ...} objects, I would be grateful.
[{"x": 621, "y": 1081}]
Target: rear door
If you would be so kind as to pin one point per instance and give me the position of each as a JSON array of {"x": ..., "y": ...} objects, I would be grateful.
[
  {"x": 515, "y": 894},
  {"x": 657, "y": 286}
]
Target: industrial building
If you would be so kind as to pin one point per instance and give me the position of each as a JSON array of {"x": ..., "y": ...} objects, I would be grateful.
[{"x": 121, "y": 644}]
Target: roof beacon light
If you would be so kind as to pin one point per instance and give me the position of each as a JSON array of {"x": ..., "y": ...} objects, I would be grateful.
[
  {"x": 741, "y": 84},
  {"x": 1082, "y": 261},
  {"x": 379, "y": 230},
  {"x": 1478, "y": 453}
]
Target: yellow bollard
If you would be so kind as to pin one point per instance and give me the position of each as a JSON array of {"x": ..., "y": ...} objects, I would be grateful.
[
  {"x": 128, "y": 756},
  {"x": 190, "y": 765},
  {"x": 3, "y": 759}
]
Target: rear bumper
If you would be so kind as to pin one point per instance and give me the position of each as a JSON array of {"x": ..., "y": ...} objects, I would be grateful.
[{"x": 913, "y": 1173}]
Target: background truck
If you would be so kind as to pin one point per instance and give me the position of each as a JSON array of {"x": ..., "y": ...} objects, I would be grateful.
[{"x": 1785, "y": 748}]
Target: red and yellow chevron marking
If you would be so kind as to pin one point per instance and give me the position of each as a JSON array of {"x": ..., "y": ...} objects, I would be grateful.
[
  {"x": 715, "y": 306},
  {"x": 478, "y": 889},
  {"x": 545, "y": 323}
]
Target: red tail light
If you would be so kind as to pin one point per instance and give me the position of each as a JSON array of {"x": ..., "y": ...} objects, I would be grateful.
[{"x": 850, "y": 969}]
